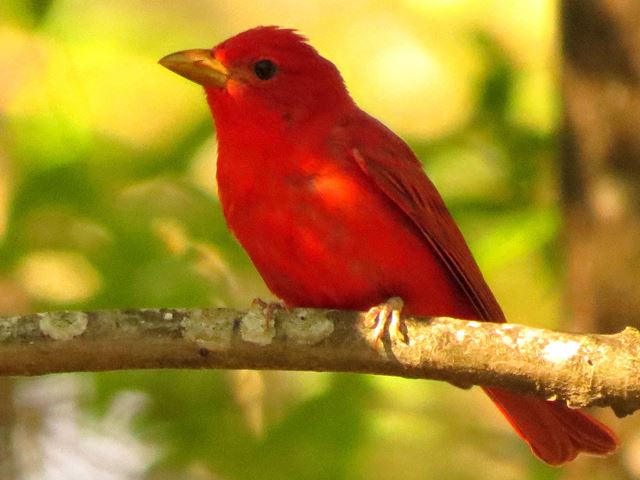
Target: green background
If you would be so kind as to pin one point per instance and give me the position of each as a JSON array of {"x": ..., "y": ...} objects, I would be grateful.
[{"x": 107, "y": 200}]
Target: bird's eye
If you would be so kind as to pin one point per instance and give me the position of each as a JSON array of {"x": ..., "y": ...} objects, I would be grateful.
[{"x": 265, "y": 69}]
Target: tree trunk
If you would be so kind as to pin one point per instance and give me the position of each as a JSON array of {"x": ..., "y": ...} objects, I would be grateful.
[{"x": 600, "y": 172}]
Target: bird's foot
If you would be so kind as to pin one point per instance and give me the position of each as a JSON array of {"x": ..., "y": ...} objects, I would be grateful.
[{"x": 386, "y": 316}]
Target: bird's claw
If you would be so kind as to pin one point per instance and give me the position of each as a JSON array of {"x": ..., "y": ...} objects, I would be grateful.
[{"x": 386, "y": 316}]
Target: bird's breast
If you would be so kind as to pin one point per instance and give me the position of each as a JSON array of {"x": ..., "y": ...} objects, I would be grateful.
[
  {"x": 323, "y": 235},
  {"x": 301, "y": 227}
]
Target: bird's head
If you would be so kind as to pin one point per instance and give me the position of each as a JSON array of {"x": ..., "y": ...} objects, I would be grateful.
[{"x": 265, "y": 74}]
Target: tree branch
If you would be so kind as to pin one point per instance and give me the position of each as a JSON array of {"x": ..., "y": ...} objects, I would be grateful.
[{"x": 582, "y": 370}]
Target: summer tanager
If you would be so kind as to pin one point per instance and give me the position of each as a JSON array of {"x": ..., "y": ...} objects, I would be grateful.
[{"x": 336, "y": 211}]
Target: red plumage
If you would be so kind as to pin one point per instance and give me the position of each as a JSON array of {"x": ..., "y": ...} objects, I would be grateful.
[{"x": 335, "y": 211}]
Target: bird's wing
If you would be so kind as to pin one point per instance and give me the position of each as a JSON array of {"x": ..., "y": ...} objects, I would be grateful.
[{"x": 393, "y": 167}]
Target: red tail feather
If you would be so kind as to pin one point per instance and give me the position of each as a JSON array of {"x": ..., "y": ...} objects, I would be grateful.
[{"x": 555, "y": 432}]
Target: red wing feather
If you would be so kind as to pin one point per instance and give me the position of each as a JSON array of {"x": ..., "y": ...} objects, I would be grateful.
[{"x": 397, "y": 172}]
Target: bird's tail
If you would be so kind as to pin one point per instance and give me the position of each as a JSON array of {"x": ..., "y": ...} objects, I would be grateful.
[{"x": 555, "y": 432}]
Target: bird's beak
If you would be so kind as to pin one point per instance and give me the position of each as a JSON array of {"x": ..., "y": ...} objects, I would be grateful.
[{"x": 197, "y": 65}]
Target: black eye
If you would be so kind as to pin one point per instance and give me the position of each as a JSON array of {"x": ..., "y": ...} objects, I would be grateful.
[{"x": 265, "y": 69}]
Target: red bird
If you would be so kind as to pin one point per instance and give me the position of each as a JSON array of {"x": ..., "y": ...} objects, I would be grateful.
[{"x": 336, "y": 211}]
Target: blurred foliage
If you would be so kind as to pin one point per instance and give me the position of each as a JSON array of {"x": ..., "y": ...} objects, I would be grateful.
[{"x": 107, "y": 200}]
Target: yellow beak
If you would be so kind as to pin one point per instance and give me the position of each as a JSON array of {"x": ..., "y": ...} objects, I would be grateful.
[{"x": 197, "y": 65}]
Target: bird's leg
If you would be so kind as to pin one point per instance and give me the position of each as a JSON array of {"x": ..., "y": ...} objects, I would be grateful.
[{"x": 386, "y": 316}]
